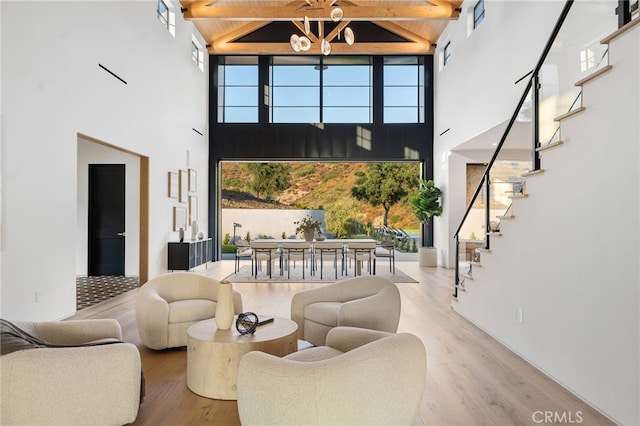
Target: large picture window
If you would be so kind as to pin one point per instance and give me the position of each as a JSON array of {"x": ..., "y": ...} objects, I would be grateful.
[
  {"x": 403, "y": 90},
  {"x": 238, "y": 96},
  {"x": 312, "y": 89},
  {"x": 294, "y": 90},
  {"x": 346, "y": 90},
  {"x": 321, "y": 90}
]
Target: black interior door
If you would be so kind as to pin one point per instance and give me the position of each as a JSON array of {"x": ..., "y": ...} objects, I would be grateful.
[{"x": 106, "y": 219}]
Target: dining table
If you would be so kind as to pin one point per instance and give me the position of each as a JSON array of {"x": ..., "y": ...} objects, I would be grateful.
[{"x": 345, "y": 244}]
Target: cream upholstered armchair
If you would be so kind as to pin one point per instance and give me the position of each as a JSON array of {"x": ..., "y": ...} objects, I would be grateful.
[
  {"x": 361, "y": 377},
  {"x": 366, "y": 301},
  {"x": 170, "y": 303},
  {"x": 75, "y": 385}
]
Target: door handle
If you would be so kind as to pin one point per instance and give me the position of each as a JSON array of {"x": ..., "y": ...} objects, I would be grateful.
[{"x": 122, "y": 234}]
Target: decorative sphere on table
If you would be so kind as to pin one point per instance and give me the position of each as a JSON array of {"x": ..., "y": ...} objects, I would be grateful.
[{"x": 247, "y": 323}]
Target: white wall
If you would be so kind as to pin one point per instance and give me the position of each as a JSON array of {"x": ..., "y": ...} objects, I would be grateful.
[
  {"x": 569, "y": 259},
  {"x": 93, "y": 153},
  {"x": 265, "y": 222},
  {"x": 54, "y": 89},
  {"x": 475, "y": 93}
]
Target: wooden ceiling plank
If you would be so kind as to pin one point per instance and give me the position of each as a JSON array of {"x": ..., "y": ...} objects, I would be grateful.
[
  {"x": 407, "y": 48},
  {"x": 290, "y": 12}
]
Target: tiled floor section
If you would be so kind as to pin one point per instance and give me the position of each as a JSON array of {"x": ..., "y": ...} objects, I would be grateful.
[{"x": 92, "y": 290}]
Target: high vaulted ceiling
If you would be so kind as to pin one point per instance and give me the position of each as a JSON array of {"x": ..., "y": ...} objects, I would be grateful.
[{"x": 241, "y": 27}]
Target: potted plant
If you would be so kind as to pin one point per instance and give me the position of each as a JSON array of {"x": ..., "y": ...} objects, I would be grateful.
[
  {"x": 426, "y": 204},
  {"x": 308, "y": 226}
]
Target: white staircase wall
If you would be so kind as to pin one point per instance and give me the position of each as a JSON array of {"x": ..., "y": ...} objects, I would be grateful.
[{"x": 569, "y": 260}]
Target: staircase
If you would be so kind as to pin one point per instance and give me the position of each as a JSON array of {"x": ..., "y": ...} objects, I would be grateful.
[{"x": 558, "y": 283}]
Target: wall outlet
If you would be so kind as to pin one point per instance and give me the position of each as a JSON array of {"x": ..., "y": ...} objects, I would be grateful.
[
  {"x": 38, "y": 296},
  {"x": 519, "y": 315}
]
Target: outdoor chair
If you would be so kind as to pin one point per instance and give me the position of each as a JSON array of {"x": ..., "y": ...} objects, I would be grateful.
[
  {"x": 296, "y": 250},
  {"x": 268, "y": 251},
  {"x": 243, "y": 251},
  {"x": 332, "y": 251},
  {"x": 387, "y": 249},
  {"x": 361, "y": 252}
]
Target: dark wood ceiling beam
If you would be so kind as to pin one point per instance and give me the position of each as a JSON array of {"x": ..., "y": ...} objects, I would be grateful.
[
  {"x": 202, "y": 10},
  {"x": 221, "y": 48}
]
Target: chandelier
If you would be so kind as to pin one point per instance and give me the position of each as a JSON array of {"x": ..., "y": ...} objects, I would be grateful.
[{"x": 302, "y": 43}]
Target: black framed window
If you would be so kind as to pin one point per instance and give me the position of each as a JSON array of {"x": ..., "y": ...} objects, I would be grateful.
[
  {"x": 447, "y": 53},
  {"x": 320, "y": 90},
  {"x": 404, "y": 89},
  {"x": 347, "y": 94},
  {"x": 166, "y": 16},
  {"x": 294, "y": 89},
  {"x": 238, "y": 93},
  {"x": 478, "y": 13},
  {"x": 197, "y": 53}
]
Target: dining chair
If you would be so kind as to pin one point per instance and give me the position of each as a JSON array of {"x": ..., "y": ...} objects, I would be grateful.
[
  {"x": 387, "y": 249},
  {"x": 362, "y": 252},
  {"x": 296, "y": 250},
  {"x": 243, "y": 251},
  {"x": 329, "y": 250},
  {"x": 265, "y": 250}
]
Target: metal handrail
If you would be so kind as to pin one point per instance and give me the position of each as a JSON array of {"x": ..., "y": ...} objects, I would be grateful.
[{"x": 485, "y": 177}]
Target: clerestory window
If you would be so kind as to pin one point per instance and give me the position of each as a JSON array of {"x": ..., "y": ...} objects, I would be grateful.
[
  {"x": 167, "y": 16},
  {"x": 478, "y": 13}
]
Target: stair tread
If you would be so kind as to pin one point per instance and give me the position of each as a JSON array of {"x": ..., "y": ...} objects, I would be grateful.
[
  {"x": 518, "y": 196},
  {"x": 594, "y": 75},
  {"x": 569, "y": 114},
  {"x": 550, "y": 145},
  {"x": 620, "y": 31},
  {"x": 506, "y": 217},
  {"x": 533, "y": 173}
]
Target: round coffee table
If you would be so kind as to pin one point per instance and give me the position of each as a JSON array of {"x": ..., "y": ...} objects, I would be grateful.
[{"x": 213, "y": 355}]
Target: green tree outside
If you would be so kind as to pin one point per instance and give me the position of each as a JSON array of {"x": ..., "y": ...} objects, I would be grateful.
[
  {"x": 342, "y": 217},
  {"x": 269, "y": 179},
  {"x": 385, "y": 184}
]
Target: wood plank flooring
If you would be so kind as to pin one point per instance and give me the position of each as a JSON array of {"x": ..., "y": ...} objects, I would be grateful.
[{"x": 471, "y": 378}]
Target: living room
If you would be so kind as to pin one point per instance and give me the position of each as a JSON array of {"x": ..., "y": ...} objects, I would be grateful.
[{"x": 107, "y": 72}]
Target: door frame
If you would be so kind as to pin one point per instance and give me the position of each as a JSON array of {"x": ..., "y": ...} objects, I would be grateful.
[{"x": 143, "y": 263}]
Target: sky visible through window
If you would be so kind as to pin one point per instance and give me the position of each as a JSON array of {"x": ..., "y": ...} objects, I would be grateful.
[{"x": 314, "y": 92}]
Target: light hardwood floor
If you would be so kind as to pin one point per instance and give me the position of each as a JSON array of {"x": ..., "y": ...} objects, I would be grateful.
[{"x": 471, "y": 378}]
